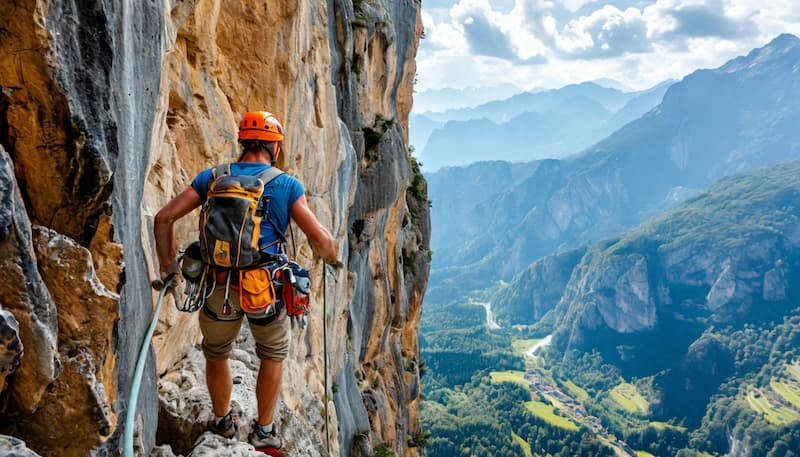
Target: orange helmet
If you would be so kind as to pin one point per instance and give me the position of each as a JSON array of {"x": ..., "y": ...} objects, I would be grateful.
[{"x": 260, "y": 125}]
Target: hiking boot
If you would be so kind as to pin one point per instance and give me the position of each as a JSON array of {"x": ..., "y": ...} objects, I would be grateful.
[
  {"x": 226, "y": 427},
  {"x": 260, "y": 440}
]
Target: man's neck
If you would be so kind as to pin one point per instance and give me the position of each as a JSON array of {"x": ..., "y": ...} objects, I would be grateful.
[{"x": 255, "y": 157}]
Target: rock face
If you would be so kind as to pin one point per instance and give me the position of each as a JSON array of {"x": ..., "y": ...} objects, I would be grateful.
[
  {"x": 12, "y": 349},
  {"x": 13, "y": 447},
  {"x": 537, "y": 290},
  {"x": 107, "y": 111}
]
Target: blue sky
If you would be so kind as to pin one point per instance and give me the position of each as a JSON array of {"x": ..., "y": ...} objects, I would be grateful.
[{"x": 545, "y": 43}]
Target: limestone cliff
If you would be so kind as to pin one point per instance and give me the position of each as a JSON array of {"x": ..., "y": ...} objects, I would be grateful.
[{"x": 107, "y": 110}]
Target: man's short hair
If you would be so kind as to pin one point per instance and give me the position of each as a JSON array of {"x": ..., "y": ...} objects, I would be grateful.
[{"x": 256, "y": 145}]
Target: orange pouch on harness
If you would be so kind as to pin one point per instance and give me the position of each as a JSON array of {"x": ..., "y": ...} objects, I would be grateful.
[{"x": 257, "y": 290}]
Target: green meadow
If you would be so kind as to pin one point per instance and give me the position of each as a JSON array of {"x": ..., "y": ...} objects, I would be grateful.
[
  {"x": 520, "y": 347},
  {"x": 628, "y": 397},
  {"x": 546, "y": 413},
  {"x": 526, "y": 448},
  {"x": 517, "y": 377},
  {"x": 774, "y": 414}
]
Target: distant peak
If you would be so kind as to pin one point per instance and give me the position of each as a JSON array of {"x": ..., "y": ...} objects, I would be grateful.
[
  {"x": 784, "y": 39},
  {"x": 611, "y": 84},
  {"x": 775, "y": 49}
]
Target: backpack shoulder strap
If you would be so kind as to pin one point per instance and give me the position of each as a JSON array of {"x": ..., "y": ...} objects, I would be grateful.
[
  {"x": 216, "y": 172},
  {"x": 219, "y": 170},
  {"x": 267, "y": 176},
  {"x": 222, "y": 169},
  {"x": 270, "y": 174}
]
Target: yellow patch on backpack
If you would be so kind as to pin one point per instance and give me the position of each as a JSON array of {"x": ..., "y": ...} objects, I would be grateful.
[{"x": 222, "y": 253}]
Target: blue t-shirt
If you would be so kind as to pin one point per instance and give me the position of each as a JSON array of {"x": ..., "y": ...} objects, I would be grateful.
[{"x": 282, "y": 191}]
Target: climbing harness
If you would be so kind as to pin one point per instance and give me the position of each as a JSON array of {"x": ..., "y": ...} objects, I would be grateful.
[{"x": 133, "y": 398}]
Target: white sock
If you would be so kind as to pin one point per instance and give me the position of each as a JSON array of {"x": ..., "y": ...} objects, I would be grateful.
[{"x": 265, "y": 428}]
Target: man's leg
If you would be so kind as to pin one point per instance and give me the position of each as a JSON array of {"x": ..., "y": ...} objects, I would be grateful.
[
  {"x": 218, "y": 340},
  {"x": 272, "y": 346},
  {"x": 220, "y": 385},
  {"x": 267, "y": 388}
]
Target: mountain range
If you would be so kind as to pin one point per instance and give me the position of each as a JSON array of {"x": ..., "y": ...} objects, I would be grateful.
[
  {"x": 528, "y": 126},
  {"x": 437, "y": 100},
  {"x": 711, "y": 124}
]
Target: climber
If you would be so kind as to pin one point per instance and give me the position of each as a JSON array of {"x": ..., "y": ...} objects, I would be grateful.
[{"x": 260, "y": 137}]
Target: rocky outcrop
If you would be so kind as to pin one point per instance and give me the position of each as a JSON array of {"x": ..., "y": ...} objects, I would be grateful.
[
  {"x": 13, "y": 447},
  {"x": 23, "y": 293},
  {"x": 11, "y": 350},
  {"x": 107, "y": 111},
  {"x": 536, "y": 290}
]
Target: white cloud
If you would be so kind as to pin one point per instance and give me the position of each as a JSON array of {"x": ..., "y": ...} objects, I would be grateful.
[
  {"x": 492, "y": 33},
  {"x": 676, "y": 21},
  {"x": 552, "y": 43},
  {"x": 606, "y": 32},
  {"x": 575, "y": 5},
  {"x": 442, "y": 36}
]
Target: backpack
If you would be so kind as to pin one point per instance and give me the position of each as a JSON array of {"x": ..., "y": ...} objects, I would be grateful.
[{"x": 230, "y": 218}]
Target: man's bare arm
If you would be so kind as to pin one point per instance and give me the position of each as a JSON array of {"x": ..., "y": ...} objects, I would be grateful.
[
  {"x": 166, "y": 248},
  {"x": 321, "y": 239}
]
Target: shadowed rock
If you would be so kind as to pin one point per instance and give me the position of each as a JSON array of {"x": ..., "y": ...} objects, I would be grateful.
[
  {"x": 14, "y": 447},
  {"x": 11, "y": 348}
]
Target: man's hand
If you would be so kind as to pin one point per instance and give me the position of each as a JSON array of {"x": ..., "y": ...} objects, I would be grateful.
[{"x": 165, "y": 273}]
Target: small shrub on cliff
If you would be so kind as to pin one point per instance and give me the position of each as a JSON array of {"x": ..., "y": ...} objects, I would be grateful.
[
  {"x": 382, "y": 450},
  {"x": 420, "y": 439},
  {"x": 361, "y": 18},
  {"x": 417, "y": 188}
]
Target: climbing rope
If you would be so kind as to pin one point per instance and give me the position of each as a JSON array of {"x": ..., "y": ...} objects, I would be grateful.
[
  {"x": 133, "y": 398},
  {"x": 325, "y": 349}
]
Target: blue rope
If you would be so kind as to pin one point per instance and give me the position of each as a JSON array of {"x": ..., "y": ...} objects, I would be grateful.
[
  {"x": 133, "y": 398},
  {"x": 325, "y": 348}
]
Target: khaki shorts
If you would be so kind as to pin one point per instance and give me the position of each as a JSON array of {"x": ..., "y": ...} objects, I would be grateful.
[{"x": 272, "y": 339}]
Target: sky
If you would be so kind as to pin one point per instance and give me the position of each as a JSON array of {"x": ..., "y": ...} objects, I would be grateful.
[{"x": 549, "y": 44}]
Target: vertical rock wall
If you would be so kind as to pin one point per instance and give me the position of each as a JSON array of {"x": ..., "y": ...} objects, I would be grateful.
[{"x": 109, "y": 109}]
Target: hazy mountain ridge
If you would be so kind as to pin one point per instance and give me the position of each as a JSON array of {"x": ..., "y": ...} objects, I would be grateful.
[
  {"x": 528, "y": 126},
  {"x": 704, "y": 129},
  {"x": 537, "y": 102},
  {"x": 438, "y": 100},
  {"x": 574, "y": 124},
  {"x": 461, "y": 188}
]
